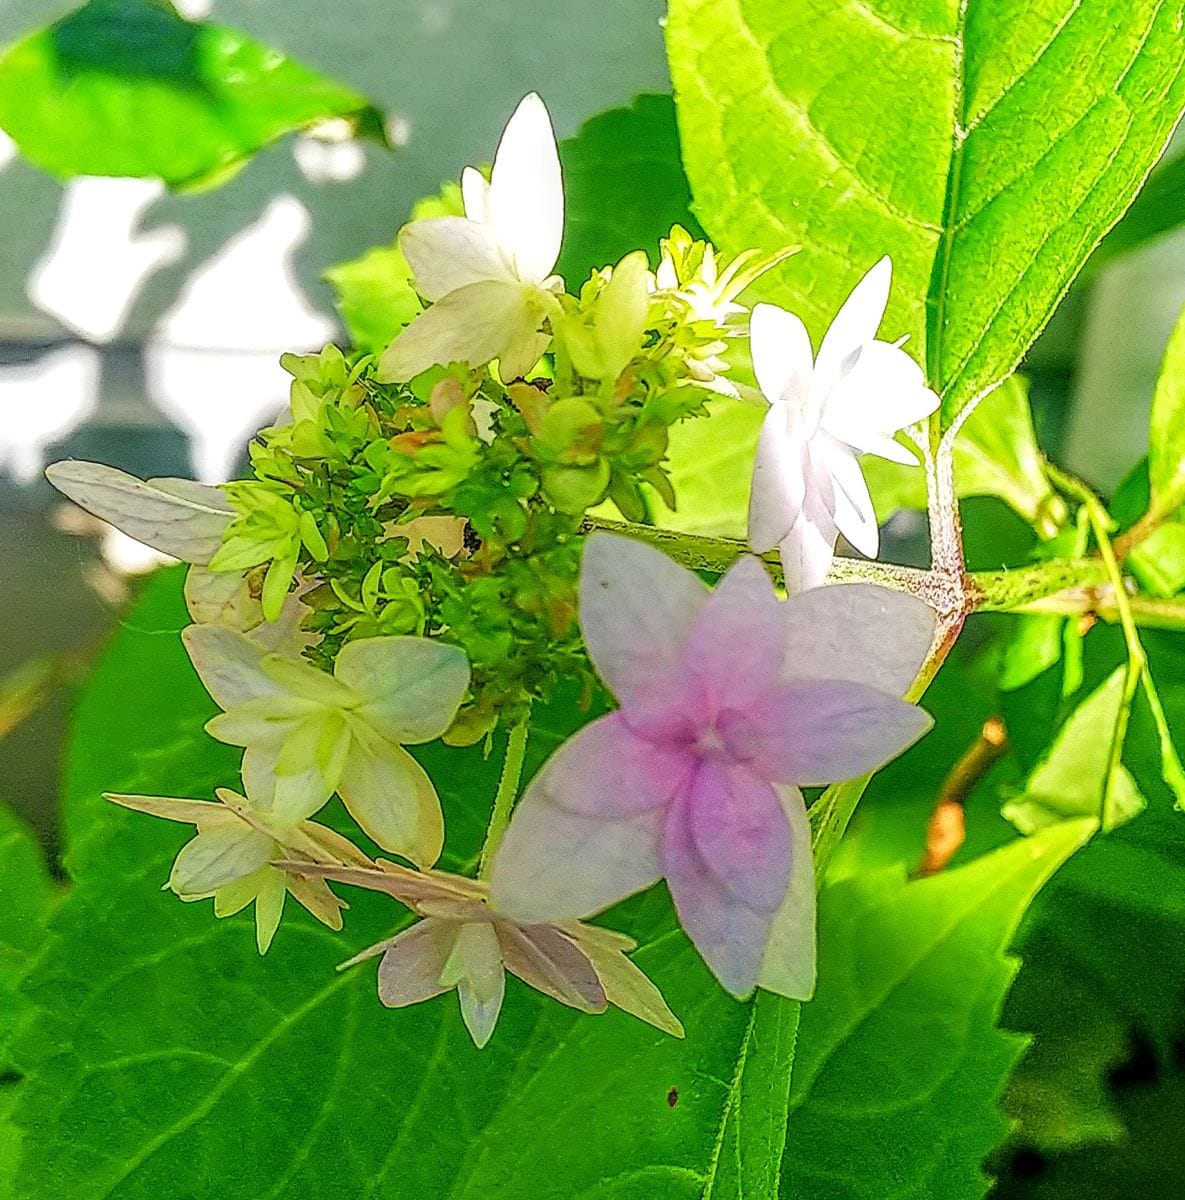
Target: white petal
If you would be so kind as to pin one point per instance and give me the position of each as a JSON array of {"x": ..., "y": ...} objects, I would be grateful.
[
  {"x": 475, "y": 194},
  {"x": 447, "y": 253},
  {"x": 779, "y": 478},
  {"x": 788, "y": 967},
  {"x": 781, "y": 350},
  {"x": 218, "y": 857},
  {"x": 886, "y": 447},
  {"x": 391, "y": 797},
  {"x": 857, "y": 632},
  {"x": 411, "y": 687},
  {"x": 287, "y": 799},
  {"x": 527, "y": 191},
  {"x": 637, "y": 608},
  {"x": 229, "y": 664},
  {"x": 809, "y": 547},
  {"x": 554, "y": 865},
  {"x": 855, "y": 324},
  {"x": 853, "y": 512},
  {"x": 175, "y": 516},
  {"x": 883, "y": 392},
  {"x": 473, "y": 325}
]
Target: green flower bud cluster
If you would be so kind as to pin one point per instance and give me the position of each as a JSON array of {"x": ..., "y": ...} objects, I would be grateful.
[{"x": 450, "y": 506}]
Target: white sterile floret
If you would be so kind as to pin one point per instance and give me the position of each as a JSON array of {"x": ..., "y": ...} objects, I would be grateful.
[
  {"x": 807, "y": 484},
  {"x": 488, "y": 273}
]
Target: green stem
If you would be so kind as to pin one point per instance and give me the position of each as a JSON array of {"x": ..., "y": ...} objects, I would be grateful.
[
  {"x": 1137, "y": 671},
  {"x": 504, "y": 798}
]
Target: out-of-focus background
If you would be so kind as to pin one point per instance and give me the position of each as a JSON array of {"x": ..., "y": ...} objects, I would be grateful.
[{"x": 143, "y": 328}]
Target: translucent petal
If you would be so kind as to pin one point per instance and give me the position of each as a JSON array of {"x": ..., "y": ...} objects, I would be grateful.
[
  {"x": 316, "y": 897},
  {"x": 853, "y": 512},
  {"x": 627, "y": 987},
  {"x": 780, "y": 478},
  {"x": 555, "y": 865},
  {"x": 545, "y": 959},
  {"x": 607, "y": 770},
  {"x": 729, "y": 934},
  {"x": 781, "y": 350},
  {"x": 473, "y": 325},
  {"x": 189, "y": 812},
  {"x": 737, "y": 641},
  {"x": 267, "y": 719},
  {"x": 391, "y": 797},
  {"x": 475, "y": 194},
  {"x": 301, "y": 678},
  {"x": 175, "y": 516},
  {"x": 411, "y": 687},
  {"x": 218, "y": 857},
  {"x": 788, "y": 966},
  {"x": 859, "y": 632},
  {"x": 807, "y": 550},
  {"x": 527, "y": 192},
  {"x": 412, "y": 963},
  {"x": 229, "y": 664},
  {"x": 269, "y": 907},
  {"x": 822, "y": 731},
  {"x": 448, "y": 253},
  {"x": 855, "y": 324},
  {"x": 884, "y": 391},
  {"x": 740, "y": 832},
  {"x": 286, "y": 799},
  {"x": 636, "y": 613}
]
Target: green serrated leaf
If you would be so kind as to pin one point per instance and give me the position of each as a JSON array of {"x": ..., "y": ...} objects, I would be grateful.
[
  {"x": 888, "y": 1097},
  {"x": 128, "y": 87},
  {"x": 247, "y": 1077},
  {"x": 987, "y": 148}
]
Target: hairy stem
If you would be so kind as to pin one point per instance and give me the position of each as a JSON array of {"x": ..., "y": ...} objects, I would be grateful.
[{"x": 504, "y": 798}]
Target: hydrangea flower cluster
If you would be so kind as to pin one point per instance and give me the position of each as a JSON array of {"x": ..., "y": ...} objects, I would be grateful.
[{"x": 412, "y": 560}]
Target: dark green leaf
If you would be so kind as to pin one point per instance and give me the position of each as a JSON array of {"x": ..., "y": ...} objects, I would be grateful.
[
  {"x": 899, "y": 1061},
  {"x": 624, "y": 187},
  {"x": 128, "y": 87}
]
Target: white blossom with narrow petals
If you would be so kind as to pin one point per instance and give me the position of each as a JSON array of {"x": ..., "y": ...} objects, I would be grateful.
[
  {"x": 488, "y": 274},
  {"x": 851, "y": 399}
]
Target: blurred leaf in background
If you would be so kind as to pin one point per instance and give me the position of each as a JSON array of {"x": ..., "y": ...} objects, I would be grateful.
[{"x": 129, "y": 87}]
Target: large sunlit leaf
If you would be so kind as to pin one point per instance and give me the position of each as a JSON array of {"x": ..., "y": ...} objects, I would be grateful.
[
  {"x": 986, "y": 147},
  {"x": 243, "y": 1075},
  {"x": 902, "y": 1035},
  {"x": 128, "y": 87}
]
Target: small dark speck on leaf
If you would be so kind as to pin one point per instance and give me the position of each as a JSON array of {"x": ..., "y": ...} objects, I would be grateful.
[{"x": 672, "y": 1097}]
